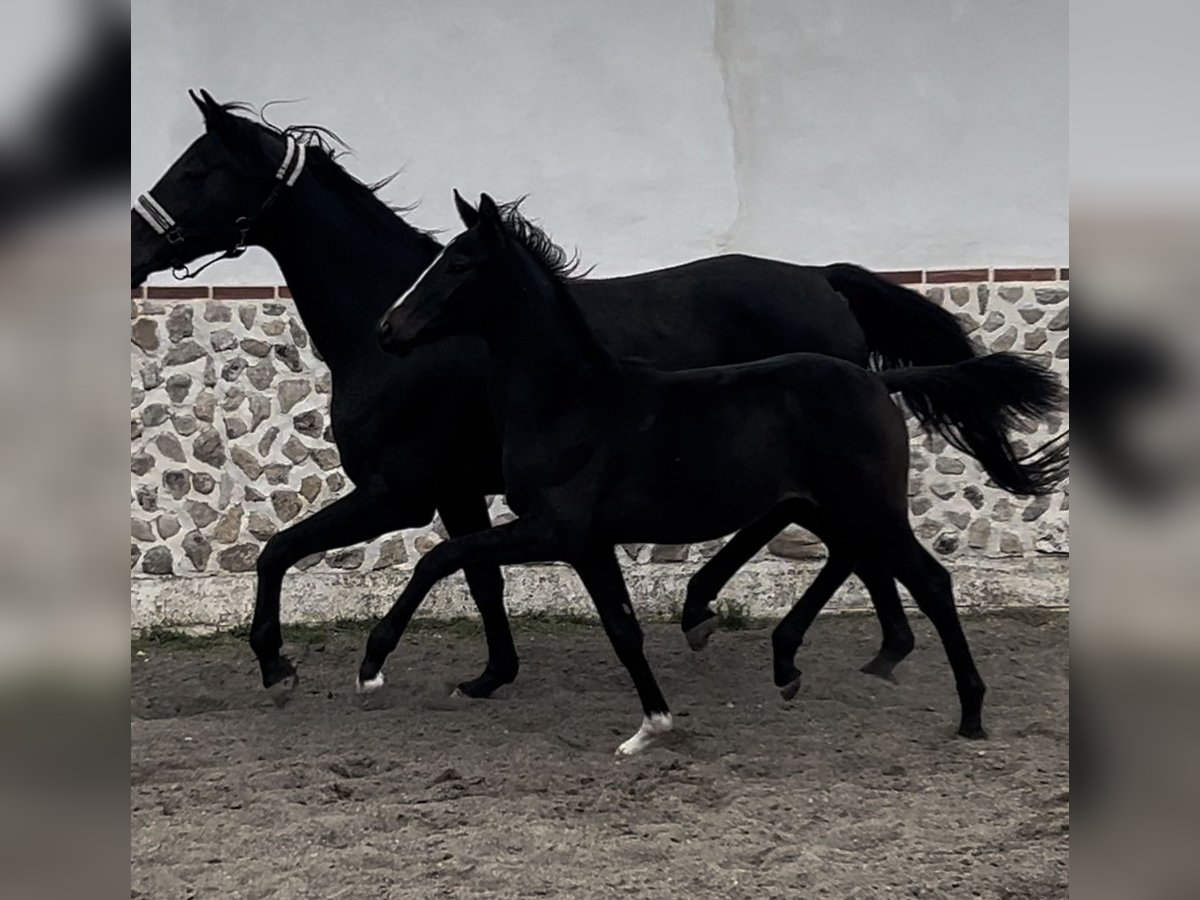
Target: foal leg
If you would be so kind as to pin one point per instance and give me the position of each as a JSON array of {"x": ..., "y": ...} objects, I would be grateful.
[
  {"x": 463, "y": 516},
  {"x": 931, "y": 587},
  {"x": 601, "y": 575},
  {"x": 358, "y": 516},
  {"x": 520, "y": 541},
  {"x": 698, "y": 620},
  {"x": 789, "y": 633},
  {"x": 898, "y": 638}
]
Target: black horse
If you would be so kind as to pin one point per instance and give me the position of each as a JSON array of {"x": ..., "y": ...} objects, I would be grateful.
[
  {"x": 415, "y": 435},
  {"x": 599, "y": 451}
]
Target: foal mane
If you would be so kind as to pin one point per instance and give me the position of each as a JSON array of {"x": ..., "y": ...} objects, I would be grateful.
[
  {"x": 549, "y": 255},
  {"x": 324, "y": 147}
]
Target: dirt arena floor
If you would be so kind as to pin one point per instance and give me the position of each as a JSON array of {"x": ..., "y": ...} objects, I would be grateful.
[{"x": 857, "y": 788}]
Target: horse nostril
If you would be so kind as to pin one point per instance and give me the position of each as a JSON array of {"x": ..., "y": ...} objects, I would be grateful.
[{"x": 385, "y": 330}]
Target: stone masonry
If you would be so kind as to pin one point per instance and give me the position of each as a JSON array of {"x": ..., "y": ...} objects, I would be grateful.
[{"x": 230, "y": 442}]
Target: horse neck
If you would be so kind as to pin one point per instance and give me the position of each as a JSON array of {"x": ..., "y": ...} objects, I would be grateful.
[
  {"x": 544, "y": 357},
  {"x": 345, "y": 262}
]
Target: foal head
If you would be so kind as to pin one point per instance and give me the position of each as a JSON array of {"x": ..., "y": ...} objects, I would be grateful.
[
  {"x": 458, "y": 293},
  {"x": 448, "y": 298}
]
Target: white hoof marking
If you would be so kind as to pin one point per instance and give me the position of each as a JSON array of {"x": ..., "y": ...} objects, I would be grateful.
[
  {"x": 369, "y": 686},
  {"x": 653, "y": 726}
]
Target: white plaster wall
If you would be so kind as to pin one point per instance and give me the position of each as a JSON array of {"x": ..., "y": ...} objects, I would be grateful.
[{"x": 917, "y": 134}]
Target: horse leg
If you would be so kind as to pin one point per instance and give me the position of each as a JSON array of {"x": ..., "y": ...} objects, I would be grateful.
[
  {"x": 698, "y": 620},
  {"x": 467, "y": 515},
  {"x": 789, "y": 633},
  {"x": 601, "y": 575},
  {"x": 932, "y": 589},
  {"x": 881, "y": 588},
  {"x": 358, "y": 516},
  {"x": 898, "y": 638},
  {"x": 521, "y": 541}
]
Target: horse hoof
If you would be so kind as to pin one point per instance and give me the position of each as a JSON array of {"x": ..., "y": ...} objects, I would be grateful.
[
  {"x": 370, "y": 685},
  {"x": 486, "y": 684},
  {"x": 973, "y": 732},
  {"x": 281, "y": 691},
  {"x": 280, "y": 679},
  {"x": 881, "y": 667},
  {"x": 791, "y": 689},
  {"x": 477, "y": 689},
  {"x": 698, "y": 635},
  {"x": 654, "y": 726}
]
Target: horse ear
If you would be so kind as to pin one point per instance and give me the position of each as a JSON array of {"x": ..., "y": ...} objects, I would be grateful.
[
  {"x": 215, "y": 116},
  {"x": 488, "y": 209},
  {"x": 466, "y": 212},
  {"x": 490, "y": 221}
]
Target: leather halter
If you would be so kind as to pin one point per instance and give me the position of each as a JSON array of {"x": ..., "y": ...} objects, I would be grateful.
[{"x": 164, "y": 224}]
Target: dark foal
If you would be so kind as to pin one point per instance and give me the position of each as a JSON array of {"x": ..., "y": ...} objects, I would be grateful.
[
  {"x": 598, "y": 452},
  {"x": 415, "y": 434}
]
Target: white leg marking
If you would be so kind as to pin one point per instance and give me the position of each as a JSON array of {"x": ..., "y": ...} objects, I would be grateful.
[
  {"x": 420, "y": 278},
  {"x": 653, "y": 725},
  {"x": 369, "y": 686}
]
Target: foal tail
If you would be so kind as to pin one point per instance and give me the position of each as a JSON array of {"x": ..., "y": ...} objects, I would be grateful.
[
  {"x": 973, "y": 403},
  {"x": 902, "y": 327}
]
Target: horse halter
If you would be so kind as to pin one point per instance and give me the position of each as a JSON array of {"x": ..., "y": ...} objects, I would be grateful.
[{"x": 164, "y": 224}]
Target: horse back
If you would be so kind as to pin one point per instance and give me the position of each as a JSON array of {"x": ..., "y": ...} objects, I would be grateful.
[{"x": 720, "y": 311}]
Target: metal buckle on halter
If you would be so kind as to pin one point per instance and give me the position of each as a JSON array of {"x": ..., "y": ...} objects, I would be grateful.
[
  {"x": 181, "y": 271},
  {"x": 174, "y": 235}
]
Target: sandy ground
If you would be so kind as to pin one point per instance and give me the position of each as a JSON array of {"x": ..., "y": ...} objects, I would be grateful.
[{"x": 857, "y": 788}]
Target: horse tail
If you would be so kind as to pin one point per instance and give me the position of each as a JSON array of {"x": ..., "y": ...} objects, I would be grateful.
[
  {"x": 972, "y": 404},
  {"x": 902, "y": 327}
]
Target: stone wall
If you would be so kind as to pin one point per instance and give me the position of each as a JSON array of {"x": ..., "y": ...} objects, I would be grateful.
[{"x": 230, "y": 443}]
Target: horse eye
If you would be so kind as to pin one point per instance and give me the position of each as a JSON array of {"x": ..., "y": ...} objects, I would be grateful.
[{"x": 458, "y": 266}]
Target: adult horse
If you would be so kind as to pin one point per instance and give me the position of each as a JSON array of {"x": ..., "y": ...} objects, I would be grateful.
[{"x": 416, "y": 436}]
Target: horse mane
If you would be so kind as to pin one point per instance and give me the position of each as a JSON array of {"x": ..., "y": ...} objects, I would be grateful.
[
  {"x": 324, "y": 147},
  {"x": 553, "y": 258}
]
